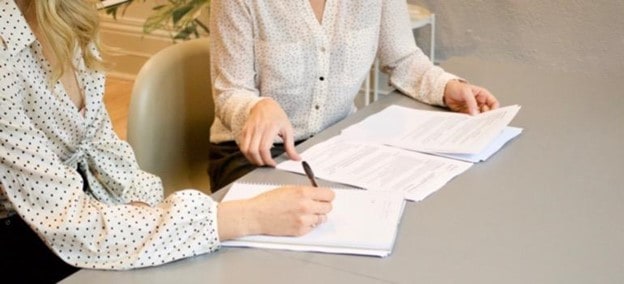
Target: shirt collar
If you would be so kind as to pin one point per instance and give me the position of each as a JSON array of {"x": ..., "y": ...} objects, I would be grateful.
[{"x": 16, "y": 34}]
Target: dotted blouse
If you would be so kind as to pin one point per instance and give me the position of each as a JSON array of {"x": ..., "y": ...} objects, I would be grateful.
[
  {"x": 47, "y": 146},
  {"x": 314, "y": 70}
]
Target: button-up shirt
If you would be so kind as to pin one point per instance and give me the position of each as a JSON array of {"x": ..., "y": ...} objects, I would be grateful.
[
  {"x": 313, "y": 69},
  {"x": 71, "y": 178}
]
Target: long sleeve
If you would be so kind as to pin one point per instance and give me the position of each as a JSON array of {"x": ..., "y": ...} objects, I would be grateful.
[
  {"x": 126, "y": 182},
  {"x": 70, "y": 177},
  {"x": 232, "y": 67},
  {"x": 83, "y": 231},
  {"x": 313, "y": 69},
  {"x": 410, "y": 70}
]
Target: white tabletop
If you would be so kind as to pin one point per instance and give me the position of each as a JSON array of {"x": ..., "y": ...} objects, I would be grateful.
[{"x": 547, "y": 208}]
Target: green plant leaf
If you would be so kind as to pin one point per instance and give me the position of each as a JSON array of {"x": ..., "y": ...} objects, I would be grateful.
[
  {"x": 181, "y": 17},
  {"x": 180, "y": 12}
]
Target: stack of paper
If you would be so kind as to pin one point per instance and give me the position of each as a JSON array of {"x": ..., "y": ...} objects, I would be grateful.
[
  {"x": 378, "y": 167},
  {"x": 409, "y": 151},
  {"x": 361, "y": 222},
  {"x": 456, "y": 135}
]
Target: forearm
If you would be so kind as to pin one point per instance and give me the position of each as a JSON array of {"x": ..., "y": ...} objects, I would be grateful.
[
  {"x": 105, "y": 236},
  {"x": 86, "y": 232},
  {"x": 410, "y": 70},
  {"x": 232, "y": 63},
  {"x": 236, "y": 219}
]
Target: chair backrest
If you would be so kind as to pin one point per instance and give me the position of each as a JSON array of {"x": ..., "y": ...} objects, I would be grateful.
[{"x": 171, "y": 111}]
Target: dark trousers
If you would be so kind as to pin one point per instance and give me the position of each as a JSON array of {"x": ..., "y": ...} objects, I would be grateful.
[
  {"x": 227, "y": 163},
  {"x": 24, "y": 257}
]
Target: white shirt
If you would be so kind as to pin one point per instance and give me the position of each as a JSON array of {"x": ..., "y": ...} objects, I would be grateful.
[
  {"x": 44, "y": 139},
  {"x": 279, "y": 49}
]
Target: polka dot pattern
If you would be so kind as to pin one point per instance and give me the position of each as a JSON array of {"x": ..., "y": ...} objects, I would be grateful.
[
  {"x": 47, "y": 145},
  {"x": 279, "y": 49}
]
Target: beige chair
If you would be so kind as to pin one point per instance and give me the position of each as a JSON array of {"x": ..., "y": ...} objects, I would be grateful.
[{"x": 170, "y": 114}]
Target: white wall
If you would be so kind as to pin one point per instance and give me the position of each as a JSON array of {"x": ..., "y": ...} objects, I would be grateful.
[
  {"x": 126, "y": 47},
  {"x": 565, "y": 35}
]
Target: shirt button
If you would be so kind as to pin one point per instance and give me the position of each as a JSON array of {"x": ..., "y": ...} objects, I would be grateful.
[
  {"x": 322, "y": 78},
  {"x": 317, "y": 107},
  {"x": 323, "y": 49},
  {"x": 7, "y": 222}
]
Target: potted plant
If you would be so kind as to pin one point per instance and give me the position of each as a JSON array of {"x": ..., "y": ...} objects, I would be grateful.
[{"x": 181, "y": 17}]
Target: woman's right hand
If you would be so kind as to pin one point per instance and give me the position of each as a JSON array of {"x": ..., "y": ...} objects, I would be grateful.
[
  {"x": 267, "y": 121},
  {"x": 285, "y": 211}
]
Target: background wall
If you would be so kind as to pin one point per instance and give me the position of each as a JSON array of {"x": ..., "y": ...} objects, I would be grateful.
[
  {"x": 565, "y": 35},
  {"x": 126, "y": 46}
]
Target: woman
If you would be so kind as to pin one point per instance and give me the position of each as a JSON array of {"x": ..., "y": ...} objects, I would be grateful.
[
  {"x": 284, "y": 71},
  {"x": 71, "y": 192}
]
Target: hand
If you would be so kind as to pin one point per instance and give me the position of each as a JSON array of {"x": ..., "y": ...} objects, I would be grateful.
[
  {"x": 467, "y": 98},
  {"x": 266, "y": 121},
  {"x": 285, "y": 211}
]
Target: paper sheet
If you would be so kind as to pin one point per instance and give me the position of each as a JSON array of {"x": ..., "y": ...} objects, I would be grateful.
[
  {"x": 361, "y": 222},
  {"x": 433, "y": 131},
  {"x": 378, "y": 167},
  {"x": 502, "y": 139}
]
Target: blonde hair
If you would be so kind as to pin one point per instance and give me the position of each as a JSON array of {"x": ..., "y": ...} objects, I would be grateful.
[{"x": 70, "y": 25}]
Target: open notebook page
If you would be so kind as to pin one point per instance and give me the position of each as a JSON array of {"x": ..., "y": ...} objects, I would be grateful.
[{"x": 361, "y": 222}]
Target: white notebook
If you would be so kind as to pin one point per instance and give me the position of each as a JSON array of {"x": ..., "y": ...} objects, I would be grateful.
[{"x": 361, "y": 222}]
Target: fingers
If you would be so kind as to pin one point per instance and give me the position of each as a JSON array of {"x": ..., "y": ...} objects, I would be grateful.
[
  {"x": 463, "y": 97},
  {"x": 475, "y": 100},
  {"x": 265, "y": 123},
  {"x": 256, "y": 144},
  {"x": 470, "y": 102},
  {"x": 289, "y": 143},
  {"x": 291, "y": 210},
  {"x": 321, "y": 205},
  {"x": 250, "y": 146},
  {"x": 265, "y": 149},
  {"x": 316, "y": 200},
  {"x": 485, "y": 100},
  {"x": 323, "y": 194},
  {"x": 320, "y": 219},
  {"x": 257, "y": 148}
]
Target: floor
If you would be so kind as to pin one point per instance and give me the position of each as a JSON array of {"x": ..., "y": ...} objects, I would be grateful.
[{"x": 117, "y": 101}]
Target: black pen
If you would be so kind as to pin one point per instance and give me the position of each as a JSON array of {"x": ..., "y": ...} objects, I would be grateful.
[{"x": 309, "y": 173}]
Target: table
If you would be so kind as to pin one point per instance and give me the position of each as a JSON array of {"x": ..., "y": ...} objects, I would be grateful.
[{"x": 547, "y": 208}]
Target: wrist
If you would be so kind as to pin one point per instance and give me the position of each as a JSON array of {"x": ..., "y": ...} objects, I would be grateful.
[
  {"x": 450, "y": 86},
  {"x": 236, "y": 219},
  {"x": 263, "y": 101}
]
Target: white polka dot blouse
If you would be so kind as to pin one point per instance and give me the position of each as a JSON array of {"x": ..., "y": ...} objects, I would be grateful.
[
  {"x": 313, "y": 69},
  {"x": 45, "y": 146}
]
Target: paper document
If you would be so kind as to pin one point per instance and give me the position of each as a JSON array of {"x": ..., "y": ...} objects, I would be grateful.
[
  {"x": 433, "y": 131},
  {"x": 378, "y": 167},
  {"x": 361, "y": 222},
  {"x": 505, "y": 136}
]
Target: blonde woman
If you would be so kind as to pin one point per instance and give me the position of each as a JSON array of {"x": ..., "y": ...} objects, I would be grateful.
[{"x": 71, "y": 193}]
